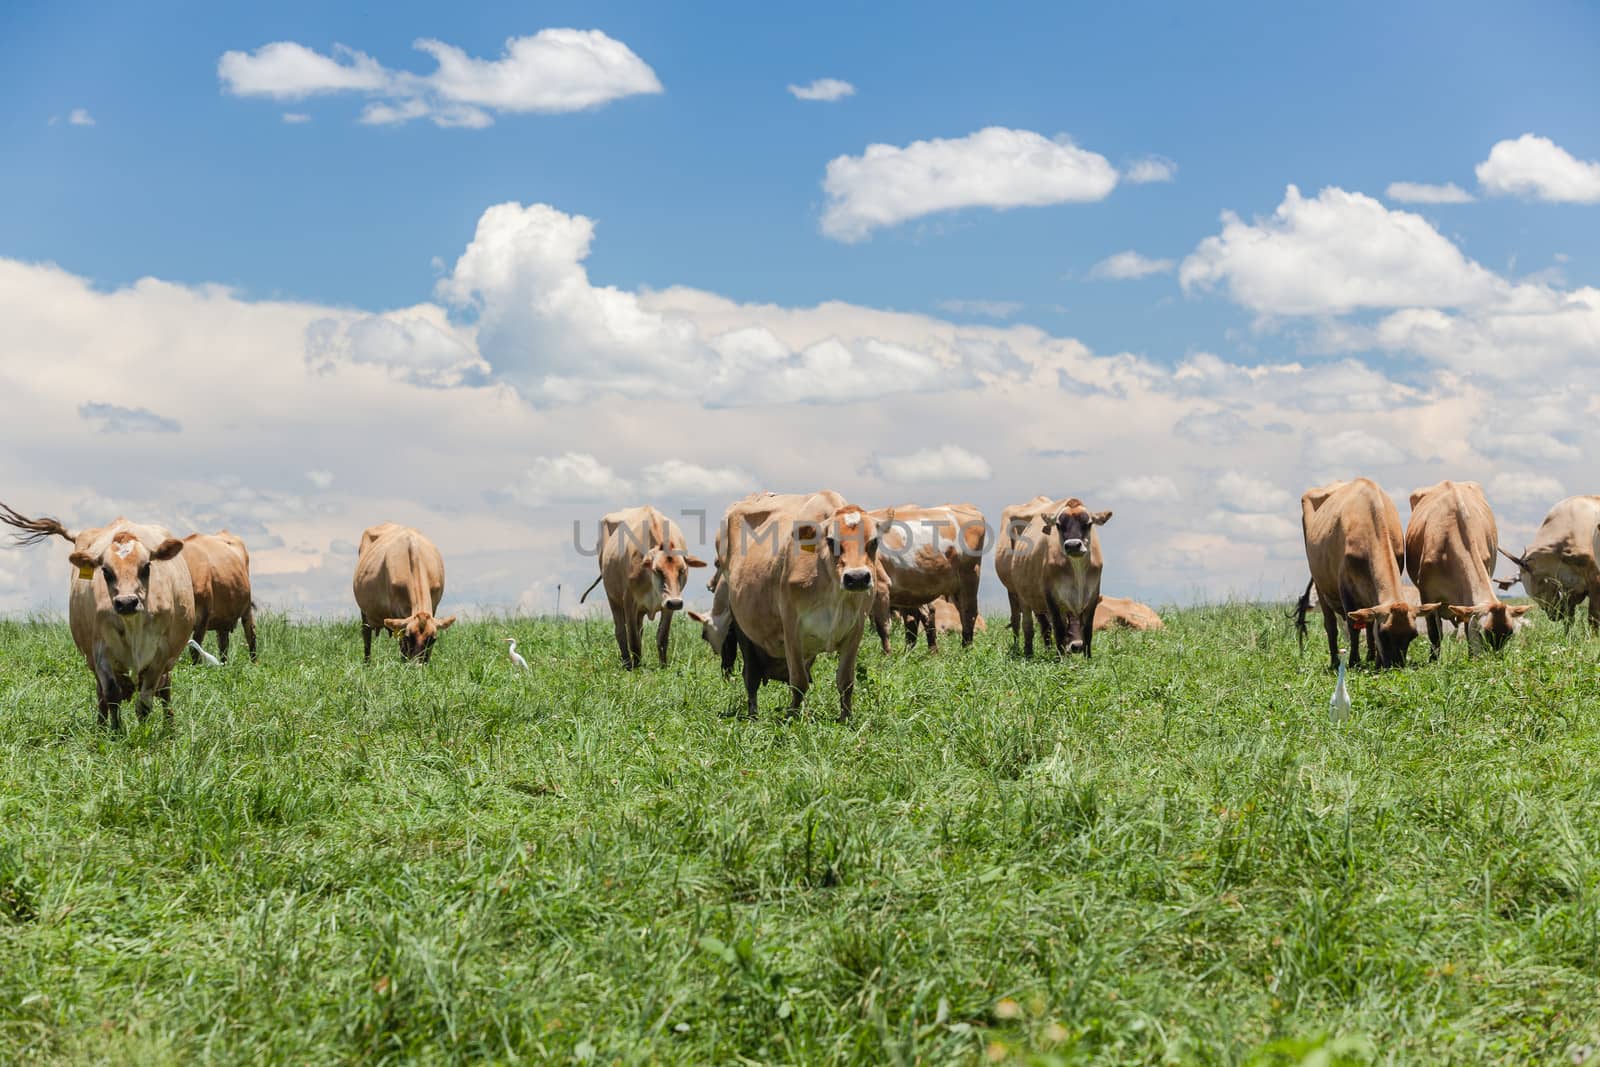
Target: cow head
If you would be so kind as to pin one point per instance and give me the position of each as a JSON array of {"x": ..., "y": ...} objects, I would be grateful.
[
  {"x": 667, "y": 569},
  {"x": 1497, "y": 621},
  {"x": 1393, "y": 627},
  {"x": 125, "y": 565},
  {"x": 846, "y": 544},
  {"x": 1074, "y": 525},
  {"x": 418, "y": 632}
]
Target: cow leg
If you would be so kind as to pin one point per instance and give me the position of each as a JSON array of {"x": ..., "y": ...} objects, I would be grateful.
[
  {"x": 250, "y": 631},
  {"x": 912, "y": 620},
  {"x": 1060, "y": 626},
  {"x": 967, "y": 604},
  {"x": 619, "y": 626},
  {"x": 366, "y": 642},
  {"x": 1027, "y": 634},
  {"x": 799, "y": 669},
  {"x": 1330, "y": 622},
  {"x": 636, "y": 637},
  {"x": 754, "y": 671},
  {"x": 1016, "y": 617},
  {"x": 199, "y": 637},
  {"x": 108, "y": 694},
  {"x": 1435, "y": 636},
  {"x": 1594, "y": 605},
  {"x": 1044, "y": 625},
  {"x": 223, "y": 636},
  {"x": 663, "y": 633},
  {"x": 1086, "y": 627},
  {"x": 145, "y": 699},
  {"x": 845, "y": 677},
  {"x": 164, "y": 691}
]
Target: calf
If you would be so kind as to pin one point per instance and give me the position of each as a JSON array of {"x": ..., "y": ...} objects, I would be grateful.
[
  {"x": 1450, "y": 548},
  {"x": 644, "y": 565}
]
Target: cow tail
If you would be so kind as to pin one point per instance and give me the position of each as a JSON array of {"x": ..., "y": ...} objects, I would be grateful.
[
  {"x": 32, "y": 530},
  {"x": 589, "y": 590},
  {"x": 1301, "y": 607}
]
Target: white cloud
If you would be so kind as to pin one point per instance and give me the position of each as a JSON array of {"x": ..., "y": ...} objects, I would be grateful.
[
  {"x": 995, "y": 167},
  {"x": 113, "y": 418},
  {"x": 295, "y": 118},
  {"x": 1336, "y": 253},
  {"x": 417, "y": 344},
  {"x": 569, "y": 476},
  {"x": 1152, "y": 169},
  {"x": 1237, "y": 491},
  {"x": 992, "y": 309},
  {"x": 828, "y": 89},
  {"x": 1146, "y": 489},
  {"x": 80, "y": 117},
  {"x": 1523, "y": 490},
  {"x": 946, "y": 463},
  {"x": 1353, "y": 448},
  {"x": 676, "y": 477},
  {"x": 1125, "y": 266},
  {"x": 554, "y": 70},
  {"x": 1260, "y": 528},
  {"x": 1422, "y": 193},
  {"x": 1539, "y": 168},
  {"x": 1529, "y": 446}
]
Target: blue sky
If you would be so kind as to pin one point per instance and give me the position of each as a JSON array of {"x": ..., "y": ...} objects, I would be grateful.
[{"x": 716, "y": 184}]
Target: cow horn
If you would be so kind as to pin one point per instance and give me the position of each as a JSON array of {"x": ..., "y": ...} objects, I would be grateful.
[{"x": 1523, "y": 562}]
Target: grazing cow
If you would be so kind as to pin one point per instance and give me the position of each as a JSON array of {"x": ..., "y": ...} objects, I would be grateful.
[
  {"x": 219, "y": 567},
  {"x": 644, "y": 565},
  {"x": 1120, "y": 613},
  {"x": 1355, "y": 548},
  {"x": 941, "y": 616},
  {"x": 398, "y": 585},
  {"x": 800, "y": 581},
  {"x": 130, "y": 606},
  {"x": 930, "y": 553},
  {"x": 1450, "y": 546},
  {"x": 1055, "y": 570},
  {"x": 1559, "y": 570},
  {"x": 1015, "y": 523}
]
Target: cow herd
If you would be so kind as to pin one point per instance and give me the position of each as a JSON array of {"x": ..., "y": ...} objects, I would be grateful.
[{"x": 796, "y": 576}]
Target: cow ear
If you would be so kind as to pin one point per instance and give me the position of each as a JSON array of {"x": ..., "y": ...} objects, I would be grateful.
[
  {"x": 694, "y": 561},
  {"x": 698, "y": 616},
  {"x": 83, "y": 560},
  {"x": 1462, "y": 614},
  {"x": 1361, "y": 615},
  {"x": 1505, "y": 583},
  {"x": 1100, "y": 518},
  {"x": 394, "y": 626},
  {"x": 446, "y": 622},
  {"x": 1429, "y": 609},
  {"x": 167, "y": 549},
  {"x": 807, "y": 533},
  {"x": 1517, "y": 611}
]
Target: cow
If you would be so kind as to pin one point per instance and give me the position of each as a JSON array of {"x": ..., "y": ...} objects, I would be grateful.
[
  {"x": 130, "y": 607},
  {"x": 941, "y": 616},
  {"x": 1015, "y": 521},
  {"x": 1560, "y": 570},
  {"x": 1120, "y": 613},
  {"x": 1356, "y": 551},
  {"x": 398, "y": 585},
  {"x": 801, "y": 581},
  {"x": 644, "y": 566},
  {"x": 930, "y": 553},
  {"x": 1451, "y": 540},
  {"x": 1055, "y": 571},
  {"x": 219, "y": 567}
]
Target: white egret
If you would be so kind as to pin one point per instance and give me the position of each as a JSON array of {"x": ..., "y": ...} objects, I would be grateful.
[
  {"x": 1339, "y": 704},
  {"x": 211, "y": 661},
  {"x": 516, "y": 660}
]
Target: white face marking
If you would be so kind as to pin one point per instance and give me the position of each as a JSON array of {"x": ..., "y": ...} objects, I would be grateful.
[
  {"x": 124, "y": 549},
  {"x": 851, "y": 519}
]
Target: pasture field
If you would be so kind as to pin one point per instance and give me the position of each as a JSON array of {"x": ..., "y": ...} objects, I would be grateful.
[{"x": 1167, "y": 855}]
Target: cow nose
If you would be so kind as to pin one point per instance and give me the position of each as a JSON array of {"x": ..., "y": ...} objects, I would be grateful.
[
  {"x": 857, "y": 578},
  {"x": 125, "y": 605},
  {"x": 674, "y": 603},
  {"x": 1075, "y": 646},
  {"x": 1074, "y": 546}
]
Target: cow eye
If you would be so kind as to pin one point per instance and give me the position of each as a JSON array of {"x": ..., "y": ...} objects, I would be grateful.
[
  {"x": 144, "y": 571},
  {"x": 111, "y": 575}
]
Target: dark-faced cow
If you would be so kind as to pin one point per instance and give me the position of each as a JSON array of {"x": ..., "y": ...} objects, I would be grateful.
[
  {"x": 1016, "y": 522},
  {"x": 398, "y": 585},
  {"x": 930, "y": 553},
  {"x": 219, "y": 567},
  {"x": 800, "y": 584},
  {"x": 1450, "y": 554},
  {"x": 1559, "y": 569},
  {"x": 644, "y": 564},
  {"x": 1356, "y": 550},
  {"x": 130, "y": 606},
  {"x": 1055, "y": 569}
]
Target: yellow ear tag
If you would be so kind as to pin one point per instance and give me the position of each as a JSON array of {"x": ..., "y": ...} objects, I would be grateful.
[
  {"x": 807, "y": 546},
  {"x": 86, "y": 573}
]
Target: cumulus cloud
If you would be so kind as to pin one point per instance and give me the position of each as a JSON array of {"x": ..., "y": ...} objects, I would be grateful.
[
  {"x": 995, "y": 167},
  {"x": 80, "y": 117},
  {"x": 1336, "y": 253},
  {"x": 554, "y": 70},
  {"x": 1145, "y": 489},
  {"x": 1524, "y": 491},
  {"x": 827, "y": 89},
  {"x": 946, "y": 463},
  {"x": 113, "y": 418},
  {"x": 1422, "y": 193},
  {"x": 1126, "y": 266},
  {"x": 1529, "y": 446},
  {"x": 1353, "y": 448},
  {"x": 990, "y": 309},
  {"x": 1538, "y": 168},
  {"x": 320, "y": 479},
  {"x": 1151, "y": 169},
  {"x": 418, "y": 344},
  {"x": 676, "y": 477},
  {"x": 569, "y": 476},
  {"x": 1237, "y": 491}
]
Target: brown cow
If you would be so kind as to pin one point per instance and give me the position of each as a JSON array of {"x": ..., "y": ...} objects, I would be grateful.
[
  {"x": 1015, "y": 521},
  {"x": 644, "y": 565},
  {"x": 1560, "y": 569},
  {"x": 1450, "y": 548},
  {"x": 940, "y": 616},
  {"x": 219, "y": 567},
  {"x": 398, "y": 585},
  {"x": 1120, "y": 613},
  {"x": 1055, "y": 570},
  {"x": 930, "y": 553},
  {"x": 1355, "y": 548},
  {"x": 800, "y": 583},
  {"x": 131, "y": 607}
]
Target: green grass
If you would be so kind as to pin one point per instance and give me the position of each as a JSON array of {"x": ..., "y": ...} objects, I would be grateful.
[{"x": 1166, "y": 855}]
